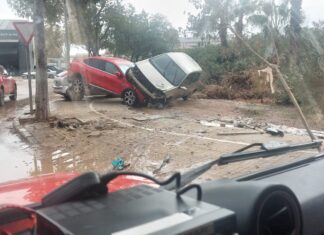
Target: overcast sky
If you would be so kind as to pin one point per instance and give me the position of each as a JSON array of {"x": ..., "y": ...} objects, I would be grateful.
[{"x": 176, "y": 10}]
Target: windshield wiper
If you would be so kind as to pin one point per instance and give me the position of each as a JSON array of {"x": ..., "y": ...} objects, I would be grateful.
[{"x": 267, "y": 150}]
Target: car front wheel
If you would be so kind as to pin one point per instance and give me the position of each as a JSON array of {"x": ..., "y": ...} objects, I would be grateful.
[
  {"x": 130, "y": 98},
  {"x": 76, "y": 91}
]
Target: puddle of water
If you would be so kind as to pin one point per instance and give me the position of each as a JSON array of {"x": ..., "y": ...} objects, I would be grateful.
[
  {"x": 15, "y": 161},
  {"x": 16, "y": 157}
]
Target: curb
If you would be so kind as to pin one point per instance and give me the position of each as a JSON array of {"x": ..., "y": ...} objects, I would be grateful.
[{"x": 23, "y": 133}]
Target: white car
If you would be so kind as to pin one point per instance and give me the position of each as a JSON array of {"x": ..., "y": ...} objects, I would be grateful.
[
  {"x": 61, "y": 84},
  {"x": 50, "y": 74},
  {"x": 167, "y": 76}
]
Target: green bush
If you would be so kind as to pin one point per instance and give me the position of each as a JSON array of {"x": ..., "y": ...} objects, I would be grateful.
[{"x": 300, "y": 63}]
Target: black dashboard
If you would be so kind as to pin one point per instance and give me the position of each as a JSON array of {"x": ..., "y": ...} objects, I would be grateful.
[{"x": 285, "y": 200}]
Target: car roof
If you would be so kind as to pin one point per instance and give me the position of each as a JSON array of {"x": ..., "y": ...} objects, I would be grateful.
[
  {"x": 111, "y": 59},
  {"x": 185, "y": 62}
]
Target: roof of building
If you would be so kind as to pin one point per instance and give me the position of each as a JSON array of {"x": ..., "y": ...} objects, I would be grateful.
[{"x": 8, "y": 24}]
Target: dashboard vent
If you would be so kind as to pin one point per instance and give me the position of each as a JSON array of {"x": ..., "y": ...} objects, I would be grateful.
[{"x": 278, "y": 214}]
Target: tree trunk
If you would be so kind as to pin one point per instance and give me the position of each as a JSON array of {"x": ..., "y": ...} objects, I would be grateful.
[
  {"x": 42, "y": 108},
  {"x": 239, "y": 28},
  {"x": 223, "y": 33},
  {"x": 296, "y": 17},
  {"x": 66, "y": 36}
]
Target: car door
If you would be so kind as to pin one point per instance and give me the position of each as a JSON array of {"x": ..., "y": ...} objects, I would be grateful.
[
  {"x": 102, "y": 75},
  {"x": 114, "y": 79},
  {"x": 90, "y": 71}
]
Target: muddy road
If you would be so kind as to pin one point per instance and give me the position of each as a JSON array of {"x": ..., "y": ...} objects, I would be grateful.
[{"x": 89, "y": 135}]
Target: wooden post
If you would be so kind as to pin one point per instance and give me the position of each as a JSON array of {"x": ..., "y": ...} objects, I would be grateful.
[{"x": 42, "y": 107}]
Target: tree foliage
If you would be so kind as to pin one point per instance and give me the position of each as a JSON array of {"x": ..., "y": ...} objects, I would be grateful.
[
  {"x": 24, "y": 8},
  {"x": 215, "y": 17},
  {"x": 54, "y": 42},
  {"x": 142, "y": 35},
  {"x": 106, "y": 24}
]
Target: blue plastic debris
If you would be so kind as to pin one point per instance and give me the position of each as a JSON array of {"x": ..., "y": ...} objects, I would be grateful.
[{"x": 118, "y": 164}]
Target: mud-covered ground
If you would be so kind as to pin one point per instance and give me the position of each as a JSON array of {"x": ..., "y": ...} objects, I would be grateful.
[{"x": 88, "y": 135}]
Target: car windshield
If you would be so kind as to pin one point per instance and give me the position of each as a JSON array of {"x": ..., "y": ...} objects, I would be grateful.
[
  {"x": 254, "y": 74},
  {"x": 168, "y": 69}
]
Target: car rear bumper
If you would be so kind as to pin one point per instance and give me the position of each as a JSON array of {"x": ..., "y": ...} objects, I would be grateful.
[{"x": 60, "y": 86}]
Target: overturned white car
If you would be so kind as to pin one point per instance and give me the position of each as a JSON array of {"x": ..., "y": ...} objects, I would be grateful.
[{"x": 167, "y": 76}]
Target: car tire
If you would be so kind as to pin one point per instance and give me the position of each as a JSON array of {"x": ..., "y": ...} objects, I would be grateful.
[
  {"x": 76, "y": 91},
  {"x": 13, "y": 96},
  {"x": 2, "y": 97},
  {"x": 130, "y": 98},
  {"x": 67, "y": 98}
]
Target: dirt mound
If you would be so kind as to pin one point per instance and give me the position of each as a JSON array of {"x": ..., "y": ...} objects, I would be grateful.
[{"x": 246, "y": 85}]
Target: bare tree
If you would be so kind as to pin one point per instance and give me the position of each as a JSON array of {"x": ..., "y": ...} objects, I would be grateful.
[{"x": 42, "y": 108}]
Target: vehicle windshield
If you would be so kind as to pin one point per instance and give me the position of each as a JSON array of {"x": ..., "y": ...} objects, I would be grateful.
[
  {"x": 168, "y": 69},
  {"x": 261, "y": 81}
]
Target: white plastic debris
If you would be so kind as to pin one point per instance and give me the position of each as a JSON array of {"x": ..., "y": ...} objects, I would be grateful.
[{"x": 57, "y": 152}]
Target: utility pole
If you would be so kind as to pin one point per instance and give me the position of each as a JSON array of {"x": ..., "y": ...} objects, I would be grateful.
[
  {"x": 66, "y": 35},
  {"x": 42, "y": 107}
]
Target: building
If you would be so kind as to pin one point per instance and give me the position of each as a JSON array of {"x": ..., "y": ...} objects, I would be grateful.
[
  {"x": 12, "y": 50},
  {"x": 194, "y": 42},
  {"x": 187, "y": 43}
]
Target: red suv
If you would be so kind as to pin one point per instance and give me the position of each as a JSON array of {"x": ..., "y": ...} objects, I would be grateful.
[
  {"x": 8, "y": 86},
  {"x": 100, "y": 76}
]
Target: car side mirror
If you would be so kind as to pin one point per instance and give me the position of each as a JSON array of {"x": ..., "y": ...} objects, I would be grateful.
[{"x": 119, "y": 74}]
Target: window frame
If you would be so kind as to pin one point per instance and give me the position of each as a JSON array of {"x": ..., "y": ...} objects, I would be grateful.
[{"x": 104, "y": 62}]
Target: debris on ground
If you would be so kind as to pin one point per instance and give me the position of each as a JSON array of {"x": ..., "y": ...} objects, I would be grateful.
[
  {"x": 166, "y": 161},
  {"x": 239, "y": 133},
  {"x": 296, "y": 131},
  {"x": 215, "y": 124},
  {"x": 275, "y": 132},
  {"x": 57, "y": 152},
  {"x": 66, "y": 123},
  {"x": 144, "y": 117},
  {"x": 95, "y": 134},
  {"x": 119, "y": 164},
  {"x": 100, "y": 125},
  {"x": 272, "y": 129}
]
